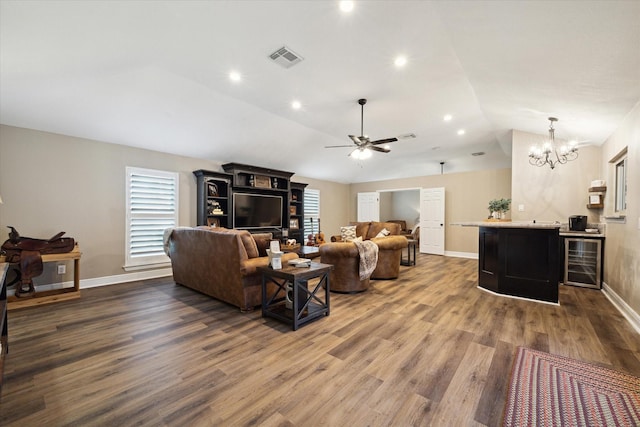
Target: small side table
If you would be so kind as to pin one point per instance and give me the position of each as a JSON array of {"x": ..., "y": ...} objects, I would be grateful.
[
  {"x": 306, "y": 304},
  {"x": 411, "y": 250}
]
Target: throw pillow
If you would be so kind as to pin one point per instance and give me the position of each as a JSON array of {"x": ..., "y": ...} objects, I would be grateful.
[
  {"x": 263, "y": 245},
  {"x": 348, "y": 233},
  {"x": 383, "y": 233}
]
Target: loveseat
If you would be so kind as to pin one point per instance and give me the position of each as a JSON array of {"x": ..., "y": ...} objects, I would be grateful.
[
  {"x": 389, "y": 247},
  {"x": 221, "y": 263}
]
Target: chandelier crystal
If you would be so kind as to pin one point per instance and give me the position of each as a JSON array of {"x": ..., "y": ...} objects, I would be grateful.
[{"x": 549, "y": 154}]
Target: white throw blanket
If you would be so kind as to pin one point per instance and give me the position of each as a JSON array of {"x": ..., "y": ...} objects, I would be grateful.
[{"x": 368, "y": 251}]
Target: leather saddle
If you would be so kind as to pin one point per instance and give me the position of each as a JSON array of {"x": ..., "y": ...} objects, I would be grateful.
[{"x": 27, "y": 253}]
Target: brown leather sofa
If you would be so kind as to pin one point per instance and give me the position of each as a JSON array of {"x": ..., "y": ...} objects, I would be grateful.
[
  {"x": 389, "y": 247},
  {"x": 221, "y": 263}
]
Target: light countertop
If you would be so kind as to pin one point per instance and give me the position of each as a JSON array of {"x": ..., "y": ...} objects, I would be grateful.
[{"x": 509, "y": 224}]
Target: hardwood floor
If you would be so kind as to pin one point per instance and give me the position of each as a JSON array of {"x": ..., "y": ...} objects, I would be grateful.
[{"x": 427, "y": 349}]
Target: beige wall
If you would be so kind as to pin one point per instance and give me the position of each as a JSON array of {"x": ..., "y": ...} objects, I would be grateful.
[
  {"x": 51, "y": 183},
  {"x": 622, "y": 248},
  {"x": 467, "y": 197},
  {"x": 552, "y": 195},
  {"x": 334, "y": 211}
]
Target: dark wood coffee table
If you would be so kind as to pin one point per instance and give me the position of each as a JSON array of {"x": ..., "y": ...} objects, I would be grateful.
[{"x": 301, "y": 305}]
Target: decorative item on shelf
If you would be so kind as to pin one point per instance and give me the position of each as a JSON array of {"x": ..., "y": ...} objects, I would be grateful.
[
  {"x": 294, "y": 224},
  {"x": 275, "y": 183},
  {"x": 311, "y": 240},
  {"x": 213, "y": 222},
  {"x": 291, "y": 245},
  {"x": 252, "y": 181},
  {"x": 293, "y": 210},
  {"x": 294, "y": 197},
  {"x": 212, "y": 189},
  {"x": 498, "y": 209},
  {"x": 215, "y": 208},
  {"x": 549, "y": 154},
  {"x": 596, "y": 194},
  {"x": 262, "y": 181}
]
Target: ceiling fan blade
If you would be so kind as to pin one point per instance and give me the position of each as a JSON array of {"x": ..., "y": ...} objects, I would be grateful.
[
  {"x": 356, "y": 140},
  {"x": 380, "y": 149},
  {"x": 383, "y": 141},
  {"x": 338, "y": 146}
]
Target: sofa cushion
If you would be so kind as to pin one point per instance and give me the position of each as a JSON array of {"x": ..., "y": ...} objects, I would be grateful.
[
  {"x": 362, "y": 229},
  {"x": 262, "y": 244},
  {"x": 249, "y": 243},
  {"x": 348, "y": 233}
]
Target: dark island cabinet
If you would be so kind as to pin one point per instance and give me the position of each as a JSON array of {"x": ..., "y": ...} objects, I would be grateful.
[{"x": 521, "y": 262}]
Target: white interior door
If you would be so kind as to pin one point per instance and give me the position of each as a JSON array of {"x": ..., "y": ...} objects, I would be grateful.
[
  {"x": 432, "y": 221},
  {"x": 368, "y": 206}
]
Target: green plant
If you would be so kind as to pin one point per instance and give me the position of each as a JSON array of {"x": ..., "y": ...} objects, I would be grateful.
[{"x": 499, "y": 205}]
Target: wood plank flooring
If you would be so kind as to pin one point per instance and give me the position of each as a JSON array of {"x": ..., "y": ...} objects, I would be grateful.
[{"x": 429, "y": 348}]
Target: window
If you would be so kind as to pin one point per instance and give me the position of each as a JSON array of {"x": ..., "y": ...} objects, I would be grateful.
[
  {"x": 152, "y": 206},
  {"x": 620, "y": 176},
  {"x": 621, "y": 185},
  {"x": 311, "y": 211}
]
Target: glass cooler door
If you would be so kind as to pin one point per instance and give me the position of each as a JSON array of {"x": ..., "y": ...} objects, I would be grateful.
[{"x": 582, "y": 262}]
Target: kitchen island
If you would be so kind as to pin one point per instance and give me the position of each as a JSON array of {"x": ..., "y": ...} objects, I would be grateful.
[{"x": 519, "y": 259}]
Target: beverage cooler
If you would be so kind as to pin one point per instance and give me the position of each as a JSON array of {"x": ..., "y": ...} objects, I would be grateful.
[{"x": 583, "y": 262}]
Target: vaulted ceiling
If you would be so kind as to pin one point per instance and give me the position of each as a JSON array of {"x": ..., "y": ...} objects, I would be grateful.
[{"x": 155, "y": 75}]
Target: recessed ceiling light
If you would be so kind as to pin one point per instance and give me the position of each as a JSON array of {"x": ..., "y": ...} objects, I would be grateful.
[
  {"x": 448, "y": 117},
  {"x": 400, "y": 61},
  {"x": 346, "y": 6},
  {"x": 296, "y": 105},
  {"x": 461, "y": 132},
  {"x": 235, "y": 76}
]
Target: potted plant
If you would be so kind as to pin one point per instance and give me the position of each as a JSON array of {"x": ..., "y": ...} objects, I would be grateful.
[{"x": 498, "y": 208}]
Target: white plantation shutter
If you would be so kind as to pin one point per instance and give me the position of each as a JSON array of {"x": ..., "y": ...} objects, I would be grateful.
[
  {"x": 152, "y": 206},
  {"x": 311, "y": 211}
]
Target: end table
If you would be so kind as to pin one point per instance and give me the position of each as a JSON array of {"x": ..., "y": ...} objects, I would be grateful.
[{"x": 306, "y": 304}]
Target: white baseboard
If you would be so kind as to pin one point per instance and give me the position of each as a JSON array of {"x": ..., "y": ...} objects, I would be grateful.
[
  {"x": 622, "y": 306},
  {"x": 468, "y": 255},
  {"x": 104, "y": 281},
  {"x": 123, "y": 278}
]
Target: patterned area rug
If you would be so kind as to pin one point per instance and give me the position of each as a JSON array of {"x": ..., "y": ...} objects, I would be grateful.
[{"x": 548, "y": 390}]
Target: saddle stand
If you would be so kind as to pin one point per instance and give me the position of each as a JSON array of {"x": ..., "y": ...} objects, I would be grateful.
[{"x": 27, "y": 253}]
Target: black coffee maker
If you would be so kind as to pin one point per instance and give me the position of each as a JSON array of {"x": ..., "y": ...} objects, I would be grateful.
[{"x": 577, "y": 222}]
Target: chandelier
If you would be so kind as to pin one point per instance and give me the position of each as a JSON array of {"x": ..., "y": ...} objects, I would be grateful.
[{"x": 549, "y": 154}]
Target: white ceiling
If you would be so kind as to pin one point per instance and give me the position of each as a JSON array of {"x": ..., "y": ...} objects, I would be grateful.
[{"x": 154, "y": 74}]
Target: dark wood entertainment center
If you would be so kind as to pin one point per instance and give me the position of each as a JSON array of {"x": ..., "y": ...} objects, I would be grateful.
[{"x": 215, "y": 192}]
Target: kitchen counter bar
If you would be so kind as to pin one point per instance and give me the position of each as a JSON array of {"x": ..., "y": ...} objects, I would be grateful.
[{"x": 519, "y": 258}]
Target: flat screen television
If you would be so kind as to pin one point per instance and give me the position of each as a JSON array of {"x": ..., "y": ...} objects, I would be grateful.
[{"x": 257, "y": 211}]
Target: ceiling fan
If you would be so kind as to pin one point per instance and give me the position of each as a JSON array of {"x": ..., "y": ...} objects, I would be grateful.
[{"x": 362, "y": 142}]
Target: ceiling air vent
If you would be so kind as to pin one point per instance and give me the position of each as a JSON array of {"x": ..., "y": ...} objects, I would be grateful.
[{"x": 285, "y": 57}]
